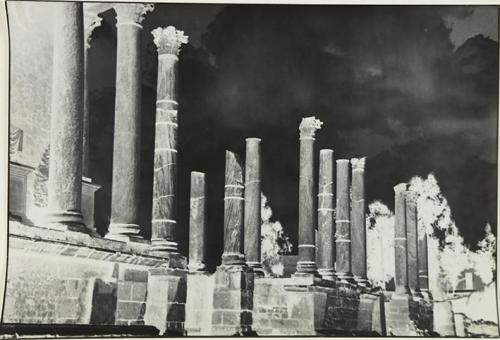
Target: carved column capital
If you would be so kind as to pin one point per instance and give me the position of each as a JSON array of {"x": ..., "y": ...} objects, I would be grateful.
[
  {"x": 132, "y": 14},
  {"x": 308, "y": 127},
  {"x": 168, "y": 40},
  {"x": 90, "y": 21},
  {"x": 411, "y": 197},
  {"x": 358, "y": 164}
]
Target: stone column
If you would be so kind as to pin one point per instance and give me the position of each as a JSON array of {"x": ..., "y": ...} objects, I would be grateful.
[
  {"x": 233, "y": 211},
  {"x": 358, "y": 221},
  {"x": 342, "y": 222},
  {"x": 326, "y": 230},
  {"x": 66, "y": 119},
  {"x": 127, "y": 134},
  {"x": 164, "y": 216},
  {"x": 423, "y": 271},
  {"x": 401, "y": 265},
  {"x": 91, "y": 21},
  {"x": 412, "y": 239},
  {"x": 252, "y": 205},
  {"x": 198, "y": 223},
  {"x": 306, "y": 262}
]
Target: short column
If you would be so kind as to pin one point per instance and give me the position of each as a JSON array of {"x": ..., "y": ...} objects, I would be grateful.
[
  {"x": 233, "y": 211},
  {"x": 198, "y": 223},
  {"x": 326, "y": 230},
  {"x": 127, "y": 135},
  {"x": 164, "y": 215},
  {"x": 343, "y": 222},
  {"x": 412, "y": 239},
  {"x": 306, "y": 263},
  {"x": 358, "y": 221},
  {"x": 252, "y": 206},
  {"x": 401, "y": 265},
  {"x": 66, "y": 119}
]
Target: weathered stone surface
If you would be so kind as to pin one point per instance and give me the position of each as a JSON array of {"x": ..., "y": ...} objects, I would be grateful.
[
  {"x": 423, "y": 271},
  {"x": 164, "y": 215},
  {"x": 358, "y": 220},
  {"x": 343, "y": 222},
  {"x": 252, "y": 205},
  {"x": 64, "y": 184},
  {"x": 197, "y": 222},
  {"x": 199, "y": 304},
  {"x": 127, "y": 137},
  {"x": 306, "y": 262},
  {"x": 326, "y": 227},
  {"x": 233, "y": 211},
  {"x": 412, "y": 239},
  {"x": 400, "y": 241}
]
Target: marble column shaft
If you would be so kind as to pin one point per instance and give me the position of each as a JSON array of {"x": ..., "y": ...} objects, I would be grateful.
[
  {"x": 233, "y": 211},
  {"x": 358, "y": 219},
  {"x": 423, "y": 270},
  {"x": 343, "y": 222},
  {"x": 66, "y": 120},
  {"x": 400, "y": 241},
  {"x": 198, "y": 223},
  {"x": 412, "y": 239},
  {"x": 127, "y": 134},
  {"x": 252, "y": 203},
  {"x": 326, "y": 228},
  {"x": 164, "y": 215},
  {"x": 306, "y": 260}
]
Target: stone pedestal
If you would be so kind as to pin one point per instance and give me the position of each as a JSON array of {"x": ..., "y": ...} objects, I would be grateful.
[
  {"x": 127, "y": 135},
  {"x": 400, "y": 243},
  {"x": 66, "y": 120},
  {"x": 343, "y": 223},
  {"x": 233, "y": 211},
  {"x": 18, "y": 191},
  {"x": 164, "y": 216},
  {"x": 199, "y": 304},
  {"x": 412, "y": 239},
  {"x": 252, "y": 216},
  {"x": 358, "y": 221},
  {"x": 326, "y": 230},
  {"x": 398, "y": 321},
  {"x": 306, "y": 263},
  {"x": 197, "y": 223}
]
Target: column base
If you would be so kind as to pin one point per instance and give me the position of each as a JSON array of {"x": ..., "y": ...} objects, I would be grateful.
[
  {"x": 346, "y": 277},
  {"x": 257, "y": 268},
  {"x": 196, "y": 267},
  {"x": 231, "y": 259},
  {"x": 327, "y": 274},
  {"x": 124, "y": 232},
  {"x": 307, "y": 267},
  {"x": 362, "y": 282},
  {"x": 65, "y": 221},
  {"x": 162, "y": 246}
]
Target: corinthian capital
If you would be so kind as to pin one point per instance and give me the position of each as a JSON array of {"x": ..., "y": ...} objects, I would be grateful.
[
  {"x": 169, "y": 40},
  {"x": 358, "y": 164},
  {"x": 411, "y": 197},
  {"x": 131, "y": 14},
  {"x": 308, "y": 127},
  {"x": 91, "y": 21}
]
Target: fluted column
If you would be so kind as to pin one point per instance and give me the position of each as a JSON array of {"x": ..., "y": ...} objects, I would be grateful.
[
  {"x": 91, "y": 21},
  {"x": 412, "y": 239},
  {"x": 400, "y": 241},
  {"x": 252, "y": 205},
  {"x": 198, "y": 223},
  {"x": 343, "y": 222},
  {"x": 306, "y": 262},
  {"x": 233, "y": 211},
  {"x": 326, "y": 230},
  {"x": 164, "y": 215},
  {"x": 66, "y": 119},
  {"x": 358, "y": 221},
  {"x": 127, "y": 134}
]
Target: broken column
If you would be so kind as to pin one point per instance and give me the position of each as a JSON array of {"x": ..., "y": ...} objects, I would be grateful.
[
  {"x": 400, "y": 242},
  {"x": 252, "y": 216},
  {"x": 306, "y": 261},
  {"x": 412, "y": 239},
  {"x": 342, "y": 222},
  {"x": 197, "y": 223},
  {"x": 66, "y": 119},
  {"x": 326, "y": 231},
  {"x": 358, "y": 221},
  {"x": 124, "y": 224},
  {"x": 164, "y": 215}
]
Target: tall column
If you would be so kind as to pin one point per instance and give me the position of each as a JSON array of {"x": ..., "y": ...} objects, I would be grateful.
[
  {"x": 306, "y": 262},
  {"x": 326, "y": 230},
  {"x": 127, "y": 134},
  {"x": 65, "y": 176},
  {"x": 233, "y": 211},
  {"x": 343, "y": 222},
  {"x": 91, "y": 21},
  {"x": 423, "y": 271},
  {"x": 358, "y": 221},
  {"x": 164, "y": 216},
  {"x": 252, "y": 205},
  {"x": 198, "y": 223},
  {"x": 412, "y": 239},
  {"x": 401, "y": 265}
]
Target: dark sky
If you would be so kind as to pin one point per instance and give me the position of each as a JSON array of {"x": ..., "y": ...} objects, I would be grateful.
[{"x": 410, "y": 87}]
